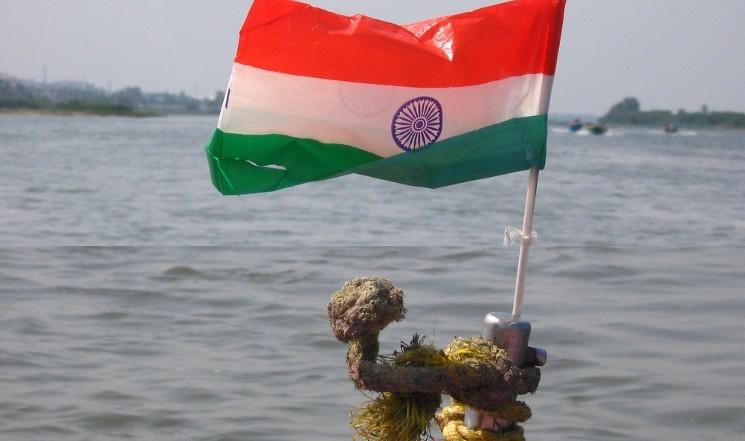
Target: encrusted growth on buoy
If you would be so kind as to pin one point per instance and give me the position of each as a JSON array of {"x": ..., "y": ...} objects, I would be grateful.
[
  {"x": 364, "y": 306},
  {"x": 472, "y": 371}
]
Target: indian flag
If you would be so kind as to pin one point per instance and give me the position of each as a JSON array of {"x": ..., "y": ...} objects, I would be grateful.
[{"x": 315, "y": 95}]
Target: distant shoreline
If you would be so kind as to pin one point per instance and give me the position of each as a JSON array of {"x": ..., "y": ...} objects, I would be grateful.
[
  {"x": 566, "y": 123},
  {"x": 76, "y": 112},
  {"x": 20, "y": 96},
  {"x": 629, "y": 112}
]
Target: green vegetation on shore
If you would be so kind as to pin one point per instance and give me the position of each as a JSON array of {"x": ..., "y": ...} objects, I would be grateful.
[
  {"x": 628, "y": 112},
  {"x": 70, "y": 107},
  {"x": 70, "y": 98}
]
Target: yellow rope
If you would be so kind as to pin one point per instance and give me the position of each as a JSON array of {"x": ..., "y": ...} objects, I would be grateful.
[
  {"x": 516, "y": 411},
  {"x": 453, "y": 428},
  {"x": 405, "y": 417},
  {"x": 395, "y": 416}
]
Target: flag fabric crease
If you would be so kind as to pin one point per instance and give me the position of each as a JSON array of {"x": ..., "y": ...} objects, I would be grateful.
[{"x": 315, "y": 95}]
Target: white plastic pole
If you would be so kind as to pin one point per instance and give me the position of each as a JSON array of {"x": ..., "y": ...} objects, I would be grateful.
[{"x": 527, "y": 233}]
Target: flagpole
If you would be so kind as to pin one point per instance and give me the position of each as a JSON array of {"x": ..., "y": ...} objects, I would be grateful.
[
  {"x": 508, "y": 331},
  {"x": 527, "y": 238}
]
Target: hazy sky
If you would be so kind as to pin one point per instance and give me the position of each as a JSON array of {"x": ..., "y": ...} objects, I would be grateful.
[{"x": 668, "y": 53}]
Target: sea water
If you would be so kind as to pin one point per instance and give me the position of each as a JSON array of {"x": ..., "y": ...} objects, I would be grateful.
[{"x": 137, "y": 303}]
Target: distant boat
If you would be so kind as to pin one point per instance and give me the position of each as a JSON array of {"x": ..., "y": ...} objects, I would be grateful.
[
  {"x": 596, "y": 129},
  {"x": 575, "y": 126},
  {"x": 671, "y": 128}
]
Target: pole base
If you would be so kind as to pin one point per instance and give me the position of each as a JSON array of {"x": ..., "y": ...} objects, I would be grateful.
[{"x": 512, "y": 335}]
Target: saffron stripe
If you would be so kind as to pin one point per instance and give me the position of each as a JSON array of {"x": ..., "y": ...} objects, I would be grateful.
[
  {"x": 242, "y": 164},
  {"x": 509, "y": 39}
]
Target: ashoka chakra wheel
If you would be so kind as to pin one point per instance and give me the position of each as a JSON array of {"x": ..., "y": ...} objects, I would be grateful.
[{"x": 417, "y": 123}]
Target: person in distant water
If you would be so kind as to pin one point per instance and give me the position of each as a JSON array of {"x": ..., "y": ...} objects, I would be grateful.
[{"x": 575, "y": 125}]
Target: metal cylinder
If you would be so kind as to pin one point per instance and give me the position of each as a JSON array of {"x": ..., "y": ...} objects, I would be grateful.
[{"x": 511, "y": 335}]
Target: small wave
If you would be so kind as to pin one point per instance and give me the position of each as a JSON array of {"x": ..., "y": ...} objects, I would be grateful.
[
  {"x": 137, "y": 295},
  {"x": 699, "y": 415},
  {"x": 463, "y": 256},
  {"x": 183, "y": 271},
  {"x": 107, "y": 316},
  {"x": 35, "y": 431},
  {"x": 15, "y": 362},
  {"x": 75, "y": 190},
  {"x": 196, "y": 395},
  {"x": 169, "y": 422},
  {"x": 112, "y": 395},
  {"x": 106, "y": 421}
]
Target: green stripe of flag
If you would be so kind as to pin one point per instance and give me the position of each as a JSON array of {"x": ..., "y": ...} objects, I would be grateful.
[{"x": 257, "y": 163}]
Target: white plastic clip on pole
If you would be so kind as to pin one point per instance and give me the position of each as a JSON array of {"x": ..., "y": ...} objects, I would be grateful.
[
  {"x": 513, "y": 236},
  {"x": 522, "y": 262}
]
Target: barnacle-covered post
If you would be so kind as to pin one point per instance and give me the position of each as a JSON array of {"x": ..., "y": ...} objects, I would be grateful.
[{"x": 473, "y": 371}]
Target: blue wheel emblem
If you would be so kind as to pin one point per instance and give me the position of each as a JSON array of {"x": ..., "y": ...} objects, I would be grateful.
[{"x": 417, "y": 123}]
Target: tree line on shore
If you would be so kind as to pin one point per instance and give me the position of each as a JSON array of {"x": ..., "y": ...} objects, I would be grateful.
[
  {"x": 80, "y": 97},
  {"x": 628, "y": 112}
]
